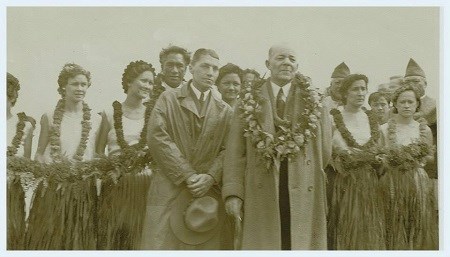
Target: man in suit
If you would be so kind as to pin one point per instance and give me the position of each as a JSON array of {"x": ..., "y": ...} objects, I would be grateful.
[
  {"x": 187, "y": 132},
  {"x": 282, "y": 206}
]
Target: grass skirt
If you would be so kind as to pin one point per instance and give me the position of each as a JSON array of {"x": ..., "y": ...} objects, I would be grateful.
[
  {"x": 356, "y": 220},
  {"x": 15, "y": 207},
  {"x": 411, "y": 221},
  {"x": 121, "y": 212}
]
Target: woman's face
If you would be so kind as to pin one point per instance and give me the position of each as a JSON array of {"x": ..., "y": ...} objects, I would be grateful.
[
  {"x": 76, "y": 88},
  {"x": 142, "y": 85},
  {"x": 11, "y": 100},
  {"x": 406, "y": 104},
  {"x": 229, "y": 86},
  {"x": 356, "y": 93}
]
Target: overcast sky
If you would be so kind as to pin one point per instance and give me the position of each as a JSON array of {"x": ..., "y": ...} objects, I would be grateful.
[{"x": 376, "y": 41}]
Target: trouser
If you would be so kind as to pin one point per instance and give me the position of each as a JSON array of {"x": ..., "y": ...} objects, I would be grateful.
[{"x": 285, "y": 212}]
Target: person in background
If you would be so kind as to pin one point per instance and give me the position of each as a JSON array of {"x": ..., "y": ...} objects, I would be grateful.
[
  {"x": 249, "y": 76},
  {"x": 332, "y": 99},
  {"x": 380, "y": 104},
  {"x": 229, "y": 83},
  {"x": 174, "y": 61}
]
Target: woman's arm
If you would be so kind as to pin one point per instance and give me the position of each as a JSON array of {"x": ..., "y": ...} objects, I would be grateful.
[
  {"x": 28, "y": 142},
  {"x": 43, "y": 138},
  {"x": 102, "y": 137}
]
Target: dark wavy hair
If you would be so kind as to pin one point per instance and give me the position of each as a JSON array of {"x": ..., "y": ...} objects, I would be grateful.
[
  {"x": 175, "y": 50},
  {"x": 133, "y": 70},
  {"x": 347, "y": 83},
  {"x": 257, "y": 75},
  {"x": 202, "y": 51},
  {"x": 377, "y": 95},
  {"x": 229, "y": 68},
  {"x": 71, "y": 70},
  {"x": 13, "y": 87},
  {"x": 403, "y": 88}
]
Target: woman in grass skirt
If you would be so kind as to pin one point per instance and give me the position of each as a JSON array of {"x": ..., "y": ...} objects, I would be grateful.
[
  {"x": 356, "y": 214},
  {"x": 411, "y": 222}
]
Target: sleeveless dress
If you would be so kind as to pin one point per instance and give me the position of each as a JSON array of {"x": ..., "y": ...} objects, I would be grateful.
[
  {"x": 121, "y": 207},
  {"x": 63, "y": 213},
  {"x": 19, "y": 191},
  {"x": 411, "y": 220},
  {"x": 356, "y": 220}
]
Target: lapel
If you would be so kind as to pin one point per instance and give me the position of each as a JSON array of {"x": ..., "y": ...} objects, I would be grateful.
[
  {"x": 266, "y": 118},
  {"x": 186, "y": 100}
]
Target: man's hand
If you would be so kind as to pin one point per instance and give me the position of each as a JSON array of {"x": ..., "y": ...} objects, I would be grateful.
[
  {"x": 200, "y": 184},
  {"x": 233, "y": 206}
]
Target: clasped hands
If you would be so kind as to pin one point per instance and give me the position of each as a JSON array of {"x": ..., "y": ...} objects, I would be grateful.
[{"x": 199, "y": 184}]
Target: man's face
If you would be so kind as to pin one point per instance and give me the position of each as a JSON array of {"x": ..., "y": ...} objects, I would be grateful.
[
  {"x": 173, "y": 68},
  {"x": 335, "y": 84},
  {"x": 381, "y": 108},
  {"x": 204, "y": 72},
  {"x": 282, "y": 64}
]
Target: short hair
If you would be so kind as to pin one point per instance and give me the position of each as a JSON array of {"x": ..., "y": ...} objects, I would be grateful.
[
  {"x": 229, "y": 68},
  {"x": 405, "y": 87},
  {"x": 252, "y": 71},
  {"x": 202, "y": 51},
  {"x": 171, "y": 49},
  {"x": 133, "y": 70},
  {"x": 348, "y": 81},
  {"x": 376, "y": 96},
  {"x": 13, "y": 87},
  {"x": 71, "y": 70}
]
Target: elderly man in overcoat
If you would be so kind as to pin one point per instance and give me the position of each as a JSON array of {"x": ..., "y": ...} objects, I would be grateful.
[{"x": 273, "y": 178}]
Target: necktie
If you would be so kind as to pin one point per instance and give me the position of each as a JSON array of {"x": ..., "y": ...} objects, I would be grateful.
[
  {"x": 280, "y": 103},
  {"x": 201, "y": 100}
]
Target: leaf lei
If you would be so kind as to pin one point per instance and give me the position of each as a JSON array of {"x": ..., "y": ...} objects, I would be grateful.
[
  {"x": 407, "y": 157},
  {"x": 17, "y": 139},
  {"x": 290, "y": 139},
  {"x": 348, "y": 137},
  {"x": 118, "y": 125},
  {"x": 55, "y": 133}
]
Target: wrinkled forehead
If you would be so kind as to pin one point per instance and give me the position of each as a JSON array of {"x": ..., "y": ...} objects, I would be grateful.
[
  {"x": 414, "y": 78},
  {"x": 281, "y": 50}
]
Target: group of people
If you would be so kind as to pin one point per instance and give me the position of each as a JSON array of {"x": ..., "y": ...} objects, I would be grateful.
[{"x": 242, "y": 162}]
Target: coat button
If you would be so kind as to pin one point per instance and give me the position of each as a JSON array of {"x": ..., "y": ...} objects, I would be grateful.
[
  {"x": 310, "y": 188},
  {"x": 259, "y": 185},
  {"x": 308, "y": 162}
]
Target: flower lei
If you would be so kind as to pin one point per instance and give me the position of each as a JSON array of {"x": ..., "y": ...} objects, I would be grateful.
[
  {"x": 407, "y": 157},
  {"x": 55, "y": 133},
  {"x": 118, "y": 126},
  {"x": 348, "y": 137},
  {"x": 17, "y": 140},
  {"x": 290, "y": 139}
]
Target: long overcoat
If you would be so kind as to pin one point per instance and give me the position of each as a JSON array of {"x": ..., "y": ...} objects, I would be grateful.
[
  {"x": 179, "y": 155},
  {"x": 245, "y": 176}
]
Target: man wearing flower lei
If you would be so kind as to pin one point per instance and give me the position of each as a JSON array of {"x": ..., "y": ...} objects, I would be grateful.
[
  {"x": 356, "y": 220},
  {"x": 411, "y": 223},
  {"x": 123, "y": 130},
  {"x": 279, "y": 144},
  {"x": 187, "y": 132},
  {"x": 67, "y": 137},
  {"x": 19, "y": 137}
]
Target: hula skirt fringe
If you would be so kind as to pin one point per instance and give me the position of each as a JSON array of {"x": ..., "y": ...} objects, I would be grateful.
[
  {"x": 121, "y": 212},
  {"x": 63, "y": 216},
  {"x": 411, "y": 221},
  {"x": 15, "y": 214},
  {"x": 356, "y": 218}
]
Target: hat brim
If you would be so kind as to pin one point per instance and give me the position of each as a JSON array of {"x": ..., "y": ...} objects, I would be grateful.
[{"x": 178, "y": 226}]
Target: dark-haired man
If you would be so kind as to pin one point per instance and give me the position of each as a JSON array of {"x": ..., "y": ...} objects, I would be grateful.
[{"x": 174, "y": 62}]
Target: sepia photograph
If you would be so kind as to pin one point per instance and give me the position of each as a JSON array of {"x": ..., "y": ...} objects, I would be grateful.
[{"x": 191, "y": 129}]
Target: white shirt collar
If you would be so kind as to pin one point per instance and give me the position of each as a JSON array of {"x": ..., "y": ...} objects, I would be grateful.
[
  {"x": 276, "y": 89},
  {"x": 198, "y": 93},
  {"x": 164, "y": 84}
]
